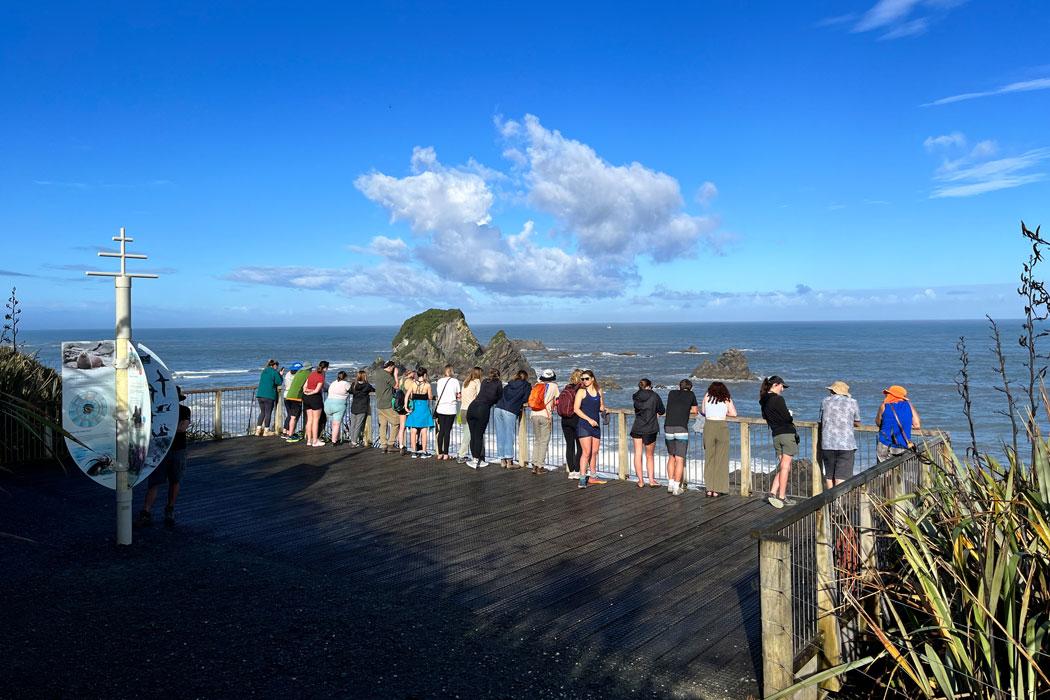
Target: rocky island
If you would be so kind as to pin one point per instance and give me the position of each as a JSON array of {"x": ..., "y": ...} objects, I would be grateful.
[
  {"x": 730, "y": 365},
  {"x": 438, "y": 337}
]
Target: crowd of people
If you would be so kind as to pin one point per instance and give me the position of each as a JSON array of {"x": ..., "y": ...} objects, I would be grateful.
[{"x": 411, "y": 410}]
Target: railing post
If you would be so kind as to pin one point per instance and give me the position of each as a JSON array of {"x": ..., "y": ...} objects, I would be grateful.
[
  {"x": 368, "y": 425},
  {"x": 778, "y": 656},
  {"x": 278, "y": 414},
  {"x": 867, "y": 531},
  {"x": 827, "y": 582},
  {"x": 216, "y": 420},
  {"x": 523, "y": 437},
  {"x": 816, "y": 475},
  {"x": 745, "y": 459},
  {"x": 622, "y": 455}
]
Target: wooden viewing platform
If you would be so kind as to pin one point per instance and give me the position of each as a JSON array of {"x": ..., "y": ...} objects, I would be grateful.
[{"x": 658, "y": 589}]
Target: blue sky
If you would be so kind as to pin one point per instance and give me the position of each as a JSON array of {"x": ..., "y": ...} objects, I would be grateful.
[{"x": 341, "y": 164}]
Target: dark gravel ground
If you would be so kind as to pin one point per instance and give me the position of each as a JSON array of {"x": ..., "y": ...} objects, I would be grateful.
[{"x": 181, "y": 615}]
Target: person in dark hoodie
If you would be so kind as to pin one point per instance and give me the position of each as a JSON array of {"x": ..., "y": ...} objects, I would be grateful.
[
  {"x": 478, "y": 416},
  {"x": 785, "y": 436},
  {"x": 505, "y": 415},
  {"x": 645, "y": 429}
]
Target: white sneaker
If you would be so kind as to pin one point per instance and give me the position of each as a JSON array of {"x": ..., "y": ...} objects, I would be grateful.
[
  {"x": 482, "y": 463},
  {"x": 574, "y": 475},
  {"x": 472, "y": 463},
  {"x": 678, "y": 491}
]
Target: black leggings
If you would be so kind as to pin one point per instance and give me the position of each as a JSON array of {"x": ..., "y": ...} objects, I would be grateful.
[
  {"x": 444, "y": 432},
  {"x": 265, "y": 413},
  {"x": 477, "y": 420},
  {"x": 572, "y": 442}
]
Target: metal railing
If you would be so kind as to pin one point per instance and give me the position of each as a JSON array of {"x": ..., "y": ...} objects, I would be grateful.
[
  {"x": 233, "y": 411},
  {"x": 821, "y": 551},
  {"x": 21, "y": 444}
]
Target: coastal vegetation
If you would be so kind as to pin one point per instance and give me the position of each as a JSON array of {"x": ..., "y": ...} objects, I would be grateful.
[
  {"x": 963, "y": 610},
  {"x": 30, "y": 408}
]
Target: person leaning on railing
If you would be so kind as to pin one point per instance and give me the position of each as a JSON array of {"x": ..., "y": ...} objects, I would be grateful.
[
  {"x": 270, "y": 382},
  {"x": 839, "y": 415},
  {"x": 716, "y": 406},
  {"x": 785, "y": 435},
  {"x": 896, "y": 418}
]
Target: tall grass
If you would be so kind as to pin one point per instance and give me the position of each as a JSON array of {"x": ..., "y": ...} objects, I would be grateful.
[
  {"x": 966, "y": 614},
  {"x": 30, "y": 408}
]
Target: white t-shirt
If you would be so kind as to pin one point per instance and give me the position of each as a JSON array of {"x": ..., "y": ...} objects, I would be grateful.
[
  {"x": 447, "y": 388},
  {"x": 715, "y": 410},
  {"x": 339, "y": 390}
]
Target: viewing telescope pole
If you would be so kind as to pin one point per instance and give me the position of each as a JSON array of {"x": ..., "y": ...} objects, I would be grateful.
[{"x": 122, "y": 336}]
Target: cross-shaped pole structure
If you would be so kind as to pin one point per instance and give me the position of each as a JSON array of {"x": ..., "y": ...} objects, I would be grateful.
[{"x": 122, "y": 284}]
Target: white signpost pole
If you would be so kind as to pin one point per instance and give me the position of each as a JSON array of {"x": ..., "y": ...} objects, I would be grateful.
[{"x": 122, "y": 283}]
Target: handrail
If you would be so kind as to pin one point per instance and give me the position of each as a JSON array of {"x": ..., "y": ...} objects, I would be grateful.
[
  {"x": 828, "y": 496},
  {"x": 750, "y": 420}
]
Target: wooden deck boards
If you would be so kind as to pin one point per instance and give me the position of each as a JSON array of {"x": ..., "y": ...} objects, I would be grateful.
[{"x": 616, "y": 572}]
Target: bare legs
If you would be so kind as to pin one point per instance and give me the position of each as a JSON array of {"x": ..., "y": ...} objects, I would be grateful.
[
  {"x": 649, "y": 458},
  {"x": 313, "y": 420},
  {"x": 589, "y": 458},
  {"x": 675, "y": 469},
  {"x": 780, "y": 481},
  {"x": 418, "y": 435},
  {"x": 401, "y": 417}
]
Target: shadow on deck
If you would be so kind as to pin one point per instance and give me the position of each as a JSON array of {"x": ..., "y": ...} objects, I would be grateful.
[{"x": 353, "y": 566}]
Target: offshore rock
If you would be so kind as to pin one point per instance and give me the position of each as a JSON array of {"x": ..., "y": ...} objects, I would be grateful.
[
  {"x": 732, "y": 365},
  {"x": 503, "y": 354},
  {"x": 438, "y": 337},
  {"x": 523, "y": 344}
]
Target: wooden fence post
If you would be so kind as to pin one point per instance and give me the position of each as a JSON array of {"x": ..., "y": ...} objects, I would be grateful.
[
  {"x": 827, "y": 583},
  {"x": 867, "y": 531},
  {"x": 816, "y": 475},
  {"x": 278, "y": 414},
  {"x": 216, "y": 419},
  {"x": 523, "y": 437},
  {"x": 368, "y": 425},
  {"x": 745, "y": 459},
  {"x": 622, "y": 455},
  {"x": 778, "y": 656}
]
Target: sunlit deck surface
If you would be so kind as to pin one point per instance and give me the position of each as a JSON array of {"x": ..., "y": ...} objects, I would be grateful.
[{"x": 331, "y": 571}]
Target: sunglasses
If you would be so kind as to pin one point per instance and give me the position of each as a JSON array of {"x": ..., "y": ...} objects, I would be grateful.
[{"x": 586, "y": 379}]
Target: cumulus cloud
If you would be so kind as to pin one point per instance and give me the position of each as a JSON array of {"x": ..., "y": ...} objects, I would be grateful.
[
  {"x": 979, "y": 170},
  {"x": 607, "y": 217},
  {"x": 613, "y": 211},
  {"x": 432, "y": 199}
]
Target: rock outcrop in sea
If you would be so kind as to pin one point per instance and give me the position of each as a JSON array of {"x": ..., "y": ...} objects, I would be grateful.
[
  {"x": 732, "y": 365},
  {"x": 438, "y": 337},
  {"x": 528, "y": 344}
]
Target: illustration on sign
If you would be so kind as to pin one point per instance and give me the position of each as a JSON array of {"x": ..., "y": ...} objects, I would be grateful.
[
  {"x": 164, "y": 403},
  {"x": 89, "y": 404}
]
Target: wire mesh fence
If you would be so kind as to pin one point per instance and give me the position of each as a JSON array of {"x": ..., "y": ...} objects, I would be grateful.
[{"x": 829, "y": 545}]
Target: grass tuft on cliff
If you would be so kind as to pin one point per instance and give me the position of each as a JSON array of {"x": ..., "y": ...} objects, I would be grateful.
[{"x": 423, "y": 325}]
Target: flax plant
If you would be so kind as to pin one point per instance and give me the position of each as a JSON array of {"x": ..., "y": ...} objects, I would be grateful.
[{"x": 30, "y": 401}]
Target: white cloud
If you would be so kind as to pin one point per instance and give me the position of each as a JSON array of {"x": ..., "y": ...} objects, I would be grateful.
[
  {"x": 978, "y": 171},
  {"x": 707, "y": 193},
  {"x": 434, "y": 198},
  {"x": 382, "y": 247},
  {"x": 398, "y": 282},
  {"x": 615, "y": 212},
  {"x": 1020, "y": 86},
  {"x": 895, "y": 19},
  {"x": 932, "y": 143}
]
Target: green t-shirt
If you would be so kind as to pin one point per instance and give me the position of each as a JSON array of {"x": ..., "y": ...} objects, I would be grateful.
[
  {"x": 384, "y": 384},
  {"x": 295, "y": 391}
]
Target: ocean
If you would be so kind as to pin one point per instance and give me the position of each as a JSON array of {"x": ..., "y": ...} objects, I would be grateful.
[{"x": 920, "y": 355}]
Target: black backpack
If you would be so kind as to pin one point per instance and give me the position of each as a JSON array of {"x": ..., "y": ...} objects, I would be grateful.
[{"x": 397, "y": 400}]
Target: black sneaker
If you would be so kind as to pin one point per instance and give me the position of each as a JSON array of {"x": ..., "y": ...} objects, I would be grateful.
[
  {"x": 144, "y": 519},
  {"x": 169, "y": 517}
]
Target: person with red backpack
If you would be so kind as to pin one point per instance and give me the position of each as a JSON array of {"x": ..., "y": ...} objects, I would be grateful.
[
  {"x": 541, "y": 403},
  {"x": 566, "y": 408}
]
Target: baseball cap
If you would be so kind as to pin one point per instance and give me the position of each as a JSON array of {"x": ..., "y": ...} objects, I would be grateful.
[
  {"x": 548, "y": 375},
  {"x": 295, "y": 366},
  {"x": 776, "y": 379}
]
